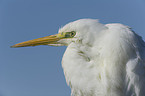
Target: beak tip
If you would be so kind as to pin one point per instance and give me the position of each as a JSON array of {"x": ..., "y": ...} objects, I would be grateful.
[{"x": 13, "y": 46}]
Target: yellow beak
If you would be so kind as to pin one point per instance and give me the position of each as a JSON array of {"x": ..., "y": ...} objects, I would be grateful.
[{"x": 48, "y": 40}]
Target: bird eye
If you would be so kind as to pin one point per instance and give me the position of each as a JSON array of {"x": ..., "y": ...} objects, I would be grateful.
[{"x": 70, "y": 34}]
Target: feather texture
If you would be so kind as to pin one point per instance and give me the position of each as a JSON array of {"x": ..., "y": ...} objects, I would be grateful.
[{"x": 104, "y": 60}]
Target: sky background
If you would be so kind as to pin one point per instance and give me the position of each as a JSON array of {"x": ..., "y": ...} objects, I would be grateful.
[{"x": 37, "y": 71}]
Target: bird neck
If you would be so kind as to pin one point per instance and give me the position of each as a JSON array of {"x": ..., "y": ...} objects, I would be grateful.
[{"x": 88, "y": 68}]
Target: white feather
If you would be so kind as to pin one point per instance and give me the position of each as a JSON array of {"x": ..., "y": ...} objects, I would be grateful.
[{"x": 104, "y": 60}]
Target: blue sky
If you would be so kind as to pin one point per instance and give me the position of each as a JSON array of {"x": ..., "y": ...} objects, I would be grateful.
[{"x": 37, "y": 71}]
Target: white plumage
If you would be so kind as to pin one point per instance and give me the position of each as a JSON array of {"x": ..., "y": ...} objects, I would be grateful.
[
  {"x": 104, "y": 60},
  {"x": 100, "y": 60}
]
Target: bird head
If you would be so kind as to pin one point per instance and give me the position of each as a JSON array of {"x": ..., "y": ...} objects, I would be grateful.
[{"x": 83, "y": 29}]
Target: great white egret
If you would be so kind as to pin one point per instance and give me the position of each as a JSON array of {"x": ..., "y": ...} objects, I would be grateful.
[{"x": 100, "y": 60}]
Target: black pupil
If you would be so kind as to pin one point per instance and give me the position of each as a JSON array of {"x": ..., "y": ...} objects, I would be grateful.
[{"x": 72, "y": 33}]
